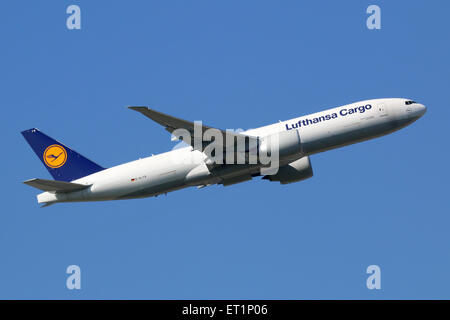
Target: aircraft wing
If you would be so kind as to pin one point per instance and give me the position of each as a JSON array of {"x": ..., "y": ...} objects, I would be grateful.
[{"x": 172, "y": 123}]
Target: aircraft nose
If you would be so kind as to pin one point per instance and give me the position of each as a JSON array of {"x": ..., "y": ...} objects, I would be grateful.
[{"x": 421, "y": 109}]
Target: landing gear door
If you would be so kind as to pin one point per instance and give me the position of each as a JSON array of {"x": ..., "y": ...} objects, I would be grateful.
[{"x": 382, "y": 110}]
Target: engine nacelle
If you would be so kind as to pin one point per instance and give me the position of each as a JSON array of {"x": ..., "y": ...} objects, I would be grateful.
[
  {"x": 198, "y": 175},
  {"x": 286, "y": 143},
  {"x": 293, "y": 172}
]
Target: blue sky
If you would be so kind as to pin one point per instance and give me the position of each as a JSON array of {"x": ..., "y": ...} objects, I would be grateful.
[{"x": 231, "y": 64}]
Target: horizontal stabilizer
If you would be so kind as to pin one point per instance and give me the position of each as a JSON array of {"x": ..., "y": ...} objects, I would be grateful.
[{"x": 56, "y": 186}]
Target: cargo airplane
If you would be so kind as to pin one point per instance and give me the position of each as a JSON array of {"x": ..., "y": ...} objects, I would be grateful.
[{"x": 277, "y": 152}]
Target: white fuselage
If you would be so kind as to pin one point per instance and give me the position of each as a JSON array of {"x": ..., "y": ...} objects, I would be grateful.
[{"x": 178, "y": 168}]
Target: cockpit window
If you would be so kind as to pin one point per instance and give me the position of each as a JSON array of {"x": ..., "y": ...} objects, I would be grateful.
[{"x": 409, "y": 102}]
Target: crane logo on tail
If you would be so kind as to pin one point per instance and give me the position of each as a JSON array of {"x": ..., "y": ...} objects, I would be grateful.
[{"x": 55, "y": 156}]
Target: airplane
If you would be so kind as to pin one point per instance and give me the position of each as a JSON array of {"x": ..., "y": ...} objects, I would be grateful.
[{"x": 278, "y": 152}]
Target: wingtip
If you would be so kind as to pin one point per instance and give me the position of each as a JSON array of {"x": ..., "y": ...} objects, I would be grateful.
[
  {"x": 137, "y": 108},
  {"x": 47, "y": 204}
]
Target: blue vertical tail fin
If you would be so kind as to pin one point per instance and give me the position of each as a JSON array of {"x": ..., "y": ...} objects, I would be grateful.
[{"x": 63, "y": 163}]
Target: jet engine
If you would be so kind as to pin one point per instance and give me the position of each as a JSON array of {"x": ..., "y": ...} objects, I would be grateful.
[
  {"x": 198, "y": 175},
  {"x": 287, "y": 143},
  {"x": 293, "y": 172}
]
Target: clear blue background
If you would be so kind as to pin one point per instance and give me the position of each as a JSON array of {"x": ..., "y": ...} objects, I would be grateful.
[{"x": 232, "y": 64}]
